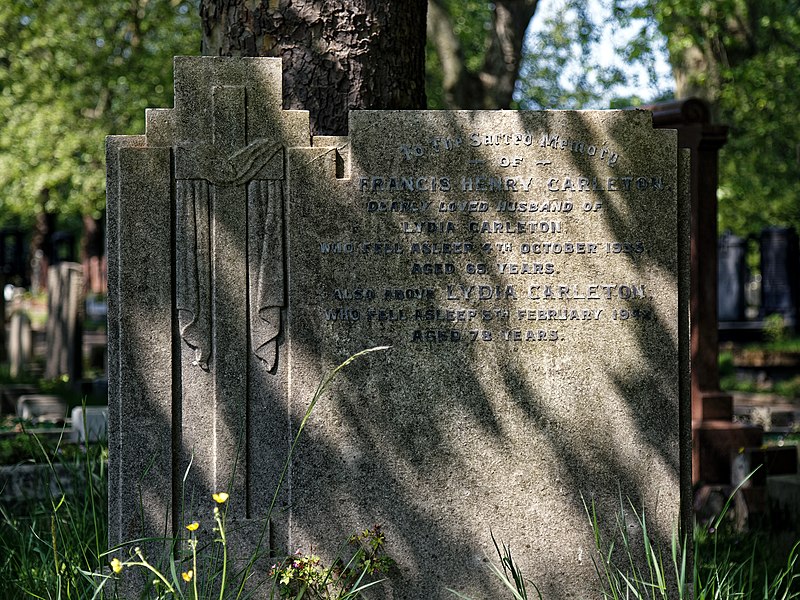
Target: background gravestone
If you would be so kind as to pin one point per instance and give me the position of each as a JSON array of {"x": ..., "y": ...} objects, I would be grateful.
[
  {"x": 20, "y": 343},
  {"x": 528, "y": 270},
  {"x": 780, "y": 283},
  {"x": 64, "y": 321},
  {"x": 732, "y": 277}
]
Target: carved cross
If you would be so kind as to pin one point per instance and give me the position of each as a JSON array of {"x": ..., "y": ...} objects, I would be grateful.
[{"x": 219, "y": 171}]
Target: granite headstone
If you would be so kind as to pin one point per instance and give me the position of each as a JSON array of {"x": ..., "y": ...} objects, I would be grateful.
[
  {"x": 527, "y": 269},
  {"x": 20, "y": 343},
  {"x": 732, "y": 277},
  {"x": 64, "y": 321},
  {"x": 780, "y": 283}
]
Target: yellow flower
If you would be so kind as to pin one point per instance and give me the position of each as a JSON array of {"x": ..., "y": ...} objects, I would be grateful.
[
  {"x": 220, "y": 497},
  {"x": 194, "y": 526},
  {"x": 187, "y": 576},
  {"x": 116, "y": 565}
]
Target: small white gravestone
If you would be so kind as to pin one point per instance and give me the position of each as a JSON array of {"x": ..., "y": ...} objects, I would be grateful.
[
  {"x": 90, "y": 423},
  {"x": 41, "y": 407}
]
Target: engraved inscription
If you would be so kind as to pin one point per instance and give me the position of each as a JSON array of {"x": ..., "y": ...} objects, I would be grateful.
[{"x": 500, "y": 247}]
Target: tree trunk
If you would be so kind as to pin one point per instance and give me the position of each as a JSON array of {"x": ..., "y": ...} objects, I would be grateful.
[
  {"x": 40, "y": 247},
  {"x": 493, "y": 86},
  {"x": 337, "y": 56},
  {"x": 92, "y": 245}
]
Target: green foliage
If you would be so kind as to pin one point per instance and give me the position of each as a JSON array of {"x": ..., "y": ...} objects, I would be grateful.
[
  {"x": 470, "y": 19},
  {"x": 788, "y": 388},
  {"x": 748, "y": 67},
  {"x": 775, "y": 329},
  {"x": 72, "y": 72},
  {"x": 561, "y": 69},
  {"x": 28, "y": 448},
  {"x": 47, "y": 548}
]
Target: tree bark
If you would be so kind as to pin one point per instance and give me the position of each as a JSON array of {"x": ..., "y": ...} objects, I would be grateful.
[
  {"x": 706, "y": 43},
  {"x": 337, "y": 56},
  {"x": 43, "y": 228},
  {"x": 92, "y": 245},
  {"x": 493, "y": 86}
]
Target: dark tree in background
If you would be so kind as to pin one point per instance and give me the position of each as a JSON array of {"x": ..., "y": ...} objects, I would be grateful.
[
  {"x": 497, "y": 44},
  {"x": 337, "y": 56}
]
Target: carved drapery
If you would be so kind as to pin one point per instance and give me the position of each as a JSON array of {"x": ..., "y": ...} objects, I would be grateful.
[
  {"x": 265, "y": 258},
  {"x": 193, "y": 242},
  {"x": 260, "y": 166}
]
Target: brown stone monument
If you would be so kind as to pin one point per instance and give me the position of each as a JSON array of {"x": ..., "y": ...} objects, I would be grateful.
[{"x": 715, "y": 437}]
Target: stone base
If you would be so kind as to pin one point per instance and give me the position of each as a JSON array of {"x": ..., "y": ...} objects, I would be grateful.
[
  {"x": 712, "y": 406},
  {"x": 783, "y": 494},
  {"x": 714, "y": 444},
  {"x": 763, "y": 463}
]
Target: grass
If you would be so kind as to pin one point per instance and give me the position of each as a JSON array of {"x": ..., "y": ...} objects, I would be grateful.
[
  {"x": 728, "y": 564},
  {"x": 30, "y": 448},
  {"x": 185, "y": 574},
  {"x": 729, "y": 381},
  {"x": 56, "y": 548},
  {"x": 47, "y": 547}
]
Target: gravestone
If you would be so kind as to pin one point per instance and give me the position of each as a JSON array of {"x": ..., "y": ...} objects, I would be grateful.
[
  {"x": 732, "y": 277},
  {"x": 90, "y": 423},
  {"x": 20, "y": 343},
  {"x": 41, "y": 407},
  {"x": 64, "y": 321},
  {"x": 529, "y": 271},
  {"x": 780, "y": 283},
  {"x": 12, "y": 254}
]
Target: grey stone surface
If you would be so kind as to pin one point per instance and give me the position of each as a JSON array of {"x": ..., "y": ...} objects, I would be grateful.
[
  {"x": 528, "y": 270},
  {"x": 64, "y": 321},
  {"x": 206, "y": 342},
  {"x": 525, "y": 269},
  {"x": 20, "y": 343},
  {"x": 41, "y": 407}
]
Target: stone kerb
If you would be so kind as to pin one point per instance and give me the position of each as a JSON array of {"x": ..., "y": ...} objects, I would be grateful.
[{"x": 528, "y": 270}]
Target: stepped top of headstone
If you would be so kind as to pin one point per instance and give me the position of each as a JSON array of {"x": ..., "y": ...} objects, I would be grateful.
[{"x": 222, "y": 98}]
